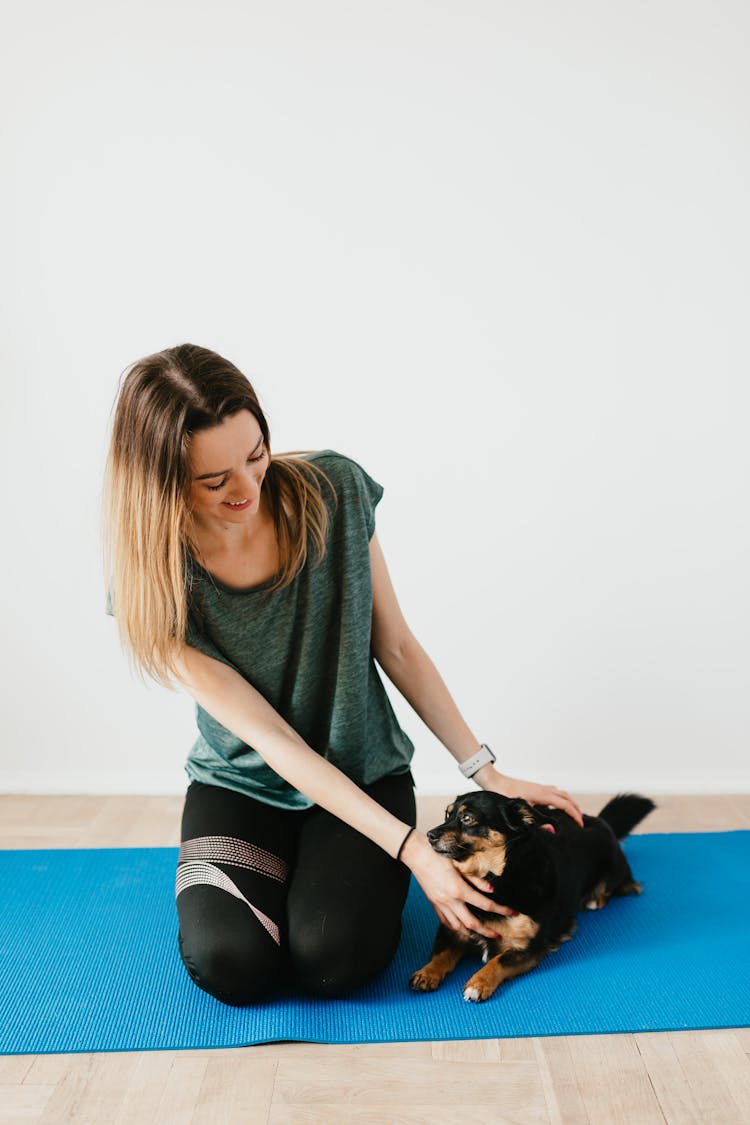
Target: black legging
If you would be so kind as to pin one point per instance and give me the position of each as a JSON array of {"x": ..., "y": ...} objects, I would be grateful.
[{"x": 264, "y": 893}]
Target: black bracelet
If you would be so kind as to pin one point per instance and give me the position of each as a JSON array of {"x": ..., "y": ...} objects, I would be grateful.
[{"x": 406, "y": 837}]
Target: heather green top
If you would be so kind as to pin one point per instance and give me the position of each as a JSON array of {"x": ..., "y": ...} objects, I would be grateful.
[{"x": 306, "y": 649}]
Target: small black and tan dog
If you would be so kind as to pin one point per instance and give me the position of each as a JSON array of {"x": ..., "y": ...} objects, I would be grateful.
[{"x": 541, "y": 864}]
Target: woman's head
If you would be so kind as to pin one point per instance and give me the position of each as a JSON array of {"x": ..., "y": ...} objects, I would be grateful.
[
  {"x": 166, "y": 401},
  {"x": 181, "y": 414}
]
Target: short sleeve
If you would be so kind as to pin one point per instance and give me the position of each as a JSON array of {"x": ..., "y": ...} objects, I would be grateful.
[
  {"x": 197, "y": 639},
  {"x": 369, "y": 494}
]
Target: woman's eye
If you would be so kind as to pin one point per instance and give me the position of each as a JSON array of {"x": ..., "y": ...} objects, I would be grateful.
[{"x": 214, "y": 487}]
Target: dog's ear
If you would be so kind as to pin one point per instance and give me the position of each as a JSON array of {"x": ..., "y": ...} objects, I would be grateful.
[{"x": 519, "y": 813}]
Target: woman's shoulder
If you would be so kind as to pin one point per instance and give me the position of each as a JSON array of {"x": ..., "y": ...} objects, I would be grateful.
[
  {"x": 336, "y": 459},
  {"x": 337, "y": 465}
]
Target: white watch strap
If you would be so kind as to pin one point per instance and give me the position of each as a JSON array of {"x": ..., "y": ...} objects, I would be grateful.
[{"x": 471, "y": 765}]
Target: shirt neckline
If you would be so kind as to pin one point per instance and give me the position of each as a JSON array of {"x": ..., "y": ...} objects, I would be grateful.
[{"x": 214, "y": 581}]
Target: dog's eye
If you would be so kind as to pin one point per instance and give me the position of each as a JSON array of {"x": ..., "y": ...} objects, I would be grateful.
[{"x": 468, "y": 819}]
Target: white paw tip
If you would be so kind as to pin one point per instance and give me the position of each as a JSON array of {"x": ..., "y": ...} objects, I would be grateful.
[
  {"x": 471, "y": 994},
  {"x": 591, "y": 904}
]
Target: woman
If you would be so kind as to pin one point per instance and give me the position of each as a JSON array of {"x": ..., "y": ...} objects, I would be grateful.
[{"x": 297, "y": 833}]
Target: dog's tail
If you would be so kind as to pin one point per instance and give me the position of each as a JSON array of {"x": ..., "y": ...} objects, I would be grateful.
[{"x": 624, "y": 811}]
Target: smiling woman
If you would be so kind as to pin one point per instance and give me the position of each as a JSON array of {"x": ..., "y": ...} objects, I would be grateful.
[
  {"x": 257, "y": 581},
  {"x": 182, "y": 415}
]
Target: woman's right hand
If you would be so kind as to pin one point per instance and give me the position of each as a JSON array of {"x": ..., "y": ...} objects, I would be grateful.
[{"x": 447, "y": 889}]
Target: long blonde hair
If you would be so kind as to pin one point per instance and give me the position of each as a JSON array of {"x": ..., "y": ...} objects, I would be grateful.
[{"x": 147, "y": 526}]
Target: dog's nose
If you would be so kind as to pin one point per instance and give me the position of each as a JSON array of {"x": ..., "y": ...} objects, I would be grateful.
[{"x": 433, "y": 835}]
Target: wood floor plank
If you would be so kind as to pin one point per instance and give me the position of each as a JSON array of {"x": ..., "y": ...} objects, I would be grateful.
[
  {"x": 739, "y": 804},
  {"x": 235, "y": 1090},
  {"x": 393, "y": 1083},
  {"x": 466, "y": 1050},
  {"x": 334, "y": 1113},
  {"x": 131, "y": 821},
  {"x": 520, "y": 1050},
  {"x": 613, "y": 1081},
  {"x": 668, "y": 1079},
  {"x": 74, "y": 1098},
  {"x": 569, "y": 1107},
  {"x": 350, "y": 1052},
  {"x": 23, "y": 1103},
  {"x": 733, "y": 1066},
  {"x": 49, "y": 1070},
  {"x": 144, "y": 1092},
  {"x": 17, "y": 811},
  {"x": 14, "y": 1069},
  {"x": 180, "y": 1095},
  {"x": 706, "y": 1072}
]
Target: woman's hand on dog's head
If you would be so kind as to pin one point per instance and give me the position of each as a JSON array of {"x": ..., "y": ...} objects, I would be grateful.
[
  {"x": 529, "y": 791},
  {"x": 448, "y": 890}
]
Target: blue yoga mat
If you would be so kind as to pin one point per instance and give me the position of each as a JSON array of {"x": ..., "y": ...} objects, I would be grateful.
[{"x": 88, "y": 949}]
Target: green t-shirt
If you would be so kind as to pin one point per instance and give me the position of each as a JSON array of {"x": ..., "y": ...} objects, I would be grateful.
[{"x": 306, "y": 649}]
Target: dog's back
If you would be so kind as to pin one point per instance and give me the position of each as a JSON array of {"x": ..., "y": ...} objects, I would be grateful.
[{"x": 602, "y": 865}]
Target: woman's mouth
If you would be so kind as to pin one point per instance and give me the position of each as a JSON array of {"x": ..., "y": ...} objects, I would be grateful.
[{"x": 238, "y": 507}]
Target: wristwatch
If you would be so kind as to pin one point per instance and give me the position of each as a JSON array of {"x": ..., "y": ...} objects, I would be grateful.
[{"x": 482, "y": 756}]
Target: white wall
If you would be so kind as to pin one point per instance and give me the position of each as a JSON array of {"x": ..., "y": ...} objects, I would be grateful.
[{"x": 497, "y": 252}]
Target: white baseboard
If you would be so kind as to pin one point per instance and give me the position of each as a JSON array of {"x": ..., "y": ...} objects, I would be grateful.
[
  {"x": 175, "y": 782},
  {"x": 167, "y": 783},
  {"x": 648, "y": 783}
]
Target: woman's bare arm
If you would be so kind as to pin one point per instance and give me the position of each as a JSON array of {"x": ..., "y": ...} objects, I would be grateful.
[{"x": 238, "y": 706}]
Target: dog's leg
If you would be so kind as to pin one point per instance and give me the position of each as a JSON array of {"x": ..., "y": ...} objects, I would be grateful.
[
  {"x": 629, "y": 888},
  {"x": 446, "y": 953},
  {"x": 601, "y": 893},
  {"x": 618, "y": 881},
  {"x": 597, "y": 898},
  {"x": 499, "y": 969},
  {"x": 566, "y": 935}
]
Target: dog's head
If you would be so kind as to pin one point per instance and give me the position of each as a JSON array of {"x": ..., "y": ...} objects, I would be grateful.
[{"x": 480, "y": 827}]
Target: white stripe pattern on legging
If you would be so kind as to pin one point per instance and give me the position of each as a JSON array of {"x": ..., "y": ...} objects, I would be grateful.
[
  {"x": 238, "y": 853},
  {"x": 191, "y": 873}
]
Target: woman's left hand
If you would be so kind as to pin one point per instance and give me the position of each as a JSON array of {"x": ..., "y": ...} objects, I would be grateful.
[{"x": 530, "y": 791}]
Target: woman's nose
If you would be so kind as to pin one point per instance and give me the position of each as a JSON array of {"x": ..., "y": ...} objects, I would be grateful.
[{"x": 246, "y": 487}]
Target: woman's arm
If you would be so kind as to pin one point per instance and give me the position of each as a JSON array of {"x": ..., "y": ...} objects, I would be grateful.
[
  {"x": 238, "y": 706},
  {"x": 408, "y": 666}
]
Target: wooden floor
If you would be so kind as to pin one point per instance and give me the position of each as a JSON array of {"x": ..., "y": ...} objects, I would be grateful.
[{"x": 686, "y": 1076}]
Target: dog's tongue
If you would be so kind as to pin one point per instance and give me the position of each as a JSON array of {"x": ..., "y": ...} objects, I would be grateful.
[{"x": 548, "y": 828}]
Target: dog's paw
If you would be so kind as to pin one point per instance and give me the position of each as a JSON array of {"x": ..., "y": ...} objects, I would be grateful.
[
  {"x": 479, "y": 988},
  {"x": 476, "y": 993},
  {"x": 425, "y": 981}
]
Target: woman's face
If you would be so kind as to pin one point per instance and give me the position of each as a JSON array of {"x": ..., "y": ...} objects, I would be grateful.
[{"x": 228, "y": 463}]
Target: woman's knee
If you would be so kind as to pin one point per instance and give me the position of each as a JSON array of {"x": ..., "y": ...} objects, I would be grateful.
[
  {"x": 233, "y": 970},
  {"x": 331, "y": 955}
]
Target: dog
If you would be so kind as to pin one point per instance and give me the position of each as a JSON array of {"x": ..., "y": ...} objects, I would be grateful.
[{"x": 542, "y": 864}]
